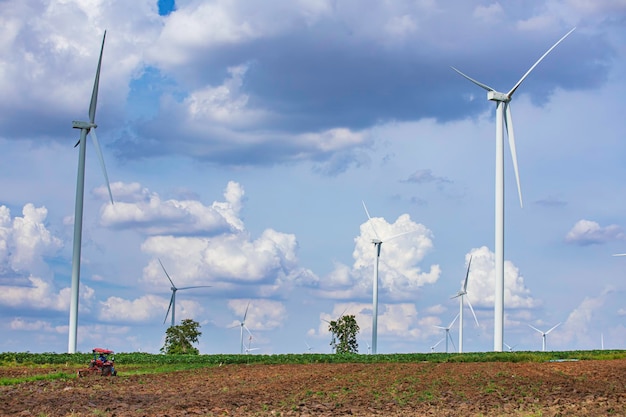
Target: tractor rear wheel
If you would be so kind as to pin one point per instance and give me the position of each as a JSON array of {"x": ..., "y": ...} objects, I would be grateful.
[{"x": 106, "y": 370}]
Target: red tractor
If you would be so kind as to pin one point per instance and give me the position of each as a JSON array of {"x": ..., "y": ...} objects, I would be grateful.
[{"x": 100, "y": 364}]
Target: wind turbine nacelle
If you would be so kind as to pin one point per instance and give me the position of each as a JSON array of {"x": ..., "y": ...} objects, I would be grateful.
[
  {"x": 496, "y": 96},
  {"x": 377, "y": 241},
  {"x": 83, "y": 125}
]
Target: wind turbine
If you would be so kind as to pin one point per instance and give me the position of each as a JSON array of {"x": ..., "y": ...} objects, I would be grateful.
[
  {"x": 447, "y": 329},
  {"x": 378, "y": 242},
  {"x": 432, "y": 348},
  {"x": 242, "y": 326},
  {"x": 503, "y": 120},
  {"x": 85, "y": 128},
  {"x": 461, "y": 295},
  {"x": 510, "y": 348},
  {"x": 543, "y": 335},
  {"x": 250, "y": 349},
  {"x": 174, "y": 288}
]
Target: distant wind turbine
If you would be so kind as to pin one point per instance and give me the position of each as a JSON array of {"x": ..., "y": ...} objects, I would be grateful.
[
  {"x": 510, "y": 348},
  {"x": 249, "y": 348},
  {"x": 174, "y": 288},
  {"x": 378, "y": 242},
  {"x": 543, "y": 335},
  {"x": 242, "y": 326},
  {"x": 503, "y": 120},
  {"x": 432, "y": 348},
  {"x": 85, "y": 128},
  {"x": 461, "y": 295},
  {"x": 447, "y": 329}
]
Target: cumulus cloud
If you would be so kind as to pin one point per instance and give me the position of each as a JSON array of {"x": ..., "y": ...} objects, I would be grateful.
[
  {"x": 394, "y": 320},
  {"x": 25, "y": 241},
  {"x": 481, "y": 282},
  {"x": 405, "y": 244},
  {"x": 139, "y": 209},
  {"x": 260, "y": 314},
  {"x": 41, "y": 295},
  {"x": 577, "y": 325},
  {"x": 587, "y": 232},
  {"x": 142, "y": 309},
  {"x": 224, "y": 260}
]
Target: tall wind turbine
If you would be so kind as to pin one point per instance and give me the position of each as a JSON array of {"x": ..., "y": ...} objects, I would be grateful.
[
  {"x": 378, "y": 242},
  {"x": 461, "y": 295},
  {"x": 447, "y": 329},
  {"x": 174, "y": 288},
  {"x": 85, "y": 128},
  {"x": 503, "y": 120},
  {"x": 543, "y": 335}
]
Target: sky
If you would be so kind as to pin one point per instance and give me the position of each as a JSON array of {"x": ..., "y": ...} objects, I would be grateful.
[{"x": 242, "y": 140}]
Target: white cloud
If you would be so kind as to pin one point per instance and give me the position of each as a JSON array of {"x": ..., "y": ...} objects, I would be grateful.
[
  {"x": 25, "y": 241},
  {"x": 587, "y": 232},
  {"x": 223, "y": 261},
  {"x": 576, "y": 326},
  {"x": 262, "y": 314},
  {"x": 399, "y": 274},
  {"x": 142, "y": 309},
  {"x": 481, "y": 282},
  {"x": 138, "y": 208},
  {"x": 40, "y": 294}
]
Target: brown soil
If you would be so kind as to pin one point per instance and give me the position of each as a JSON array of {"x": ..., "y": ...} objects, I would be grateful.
[{"x": 583, "y": 388}]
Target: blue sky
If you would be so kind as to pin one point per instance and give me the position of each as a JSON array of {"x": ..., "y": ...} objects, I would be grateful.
[{"x": 241, "y": 140}]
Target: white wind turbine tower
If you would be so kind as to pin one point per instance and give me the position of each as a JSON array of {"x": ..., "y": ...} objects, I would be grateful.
[
  {"x": 461, "y": 295},
  {"x": 543, "y": 335},
  {"x": 85, "y": 128},
  {"x": 174, "y": 288},
  {"x": 447, "y": 329},
  {"x": 503, "y": 120},
  {"x": 378, "y": 242}
]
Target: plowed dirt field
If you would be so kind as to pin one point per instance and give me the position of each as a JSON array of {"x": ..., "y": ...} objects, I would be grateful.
[{"x": 581, "y": 388}]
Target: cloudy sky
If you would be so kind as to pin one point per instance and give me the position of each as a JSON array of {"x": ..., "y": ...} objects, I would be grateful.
[{"x": 241, "y": 140}]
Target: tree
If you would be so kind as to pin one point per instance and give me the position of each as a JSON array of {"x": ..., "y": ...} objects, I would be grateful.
[
  {"x": 344, "y": 331},
  {"x": 179, "y": 339}
]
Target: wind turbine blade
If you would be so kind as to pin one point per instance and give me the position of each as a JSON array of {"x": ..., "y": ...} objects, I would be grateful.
[
  {"x": 452, "y": 324},
  {"x": 245, "y": 314},
  {"x": 92, "y": 131},
  {"x": 370, "y": 219},
  {"x": 196, "y": 286},
  {"x": 508, "y": 121},
  {"x": 467, "y": 275},
  {"x": 478, "y": 83},
  {"x": 553, "y": 328},
  {"x": 619, "y": 254},
  {"x": 510, "y": 93},
  {"x": 532, "y": 327},
  {"x": 94, "y": 94},
  {"x": 387, "y": 239},
  {"x": 166, "y": 274},
  {"x": 437, "y": 344},
  {"x": 169, "y": 308},
  {"x": 248, "y": 330},
  {"x": 452, "y": 341},
  {"x": 472, "y": 310}
]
